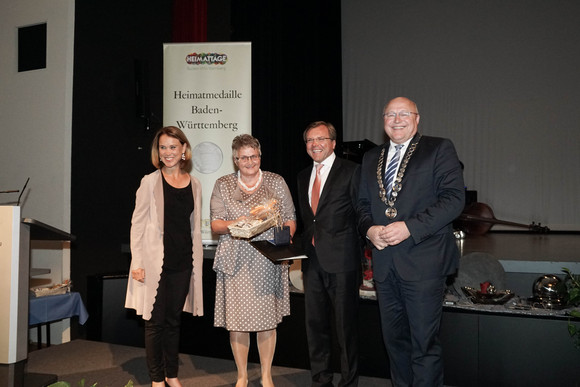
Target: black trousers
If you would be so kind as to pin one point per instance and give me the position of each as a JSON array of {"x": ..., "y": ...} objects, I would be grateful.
[
  {"x": 331, "y": 299},
  {"x": 410, "y": 319},
  {"x": 162, "y": 330}
]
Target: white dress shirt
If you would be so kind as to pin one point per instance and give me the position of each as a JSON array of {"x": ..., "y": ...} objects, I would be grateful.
[
  {"x": 391, "y": 153},
  {"x": 324, "y": 171}
]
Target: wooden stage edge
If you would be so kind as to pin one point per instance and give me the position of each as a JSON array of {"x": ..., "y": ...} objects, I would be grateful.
[{"x": 526, "y": 252}]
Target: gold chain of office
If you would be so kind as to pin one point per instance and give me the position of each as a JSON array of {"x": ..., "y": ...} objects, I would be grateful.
[{"x": 389, "y": 200}]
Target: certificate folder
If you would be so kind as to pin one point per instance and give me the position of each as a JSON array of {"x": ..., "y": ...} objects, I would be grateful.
[{"x": 278, "y": 253}]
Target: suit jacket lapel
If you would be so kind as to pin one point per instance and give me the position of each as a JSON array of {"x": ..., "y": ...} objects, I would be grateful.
[
  {"x": 415, "y": 138},
  {"x": 158, "y": 195},
  {"x": 388, "y": 144},
  {"x": 333, "y": 175},
  {"x": 385, "y": 156},
  {"x": 303, "y": 186}
]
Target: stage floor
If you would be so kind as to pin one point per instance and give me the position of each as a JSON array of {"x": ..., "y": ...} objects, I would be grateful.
[
  {"x": 521, "y": 246},
  {"x": 114, "y": 365}
]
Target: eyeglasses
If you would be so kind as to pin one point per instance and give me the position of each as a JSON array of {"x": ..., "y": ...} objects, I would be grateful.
[
  {"x": 402, "y": 114},
  {"x": 317, "y": 139},
  {"x": 245, "y": 159}
]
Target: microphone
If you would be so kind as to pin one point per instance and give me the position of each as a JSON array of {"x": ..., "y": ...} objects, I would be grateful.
[{"x": 22, "y": 191}]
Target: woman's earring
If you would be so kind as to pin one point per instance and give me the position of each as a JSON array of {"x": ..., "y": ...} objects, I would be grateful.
[{"x": 183, "y": 156}]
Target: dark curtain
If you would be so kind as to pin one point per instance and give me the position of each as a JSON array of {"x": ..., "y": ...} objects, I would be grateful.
[
  {"x": 296, "y": 68},
  {"x": 110, "y": 143},
  {"x": 296, "y": 75},
  {"x": 189, "y": 21}
]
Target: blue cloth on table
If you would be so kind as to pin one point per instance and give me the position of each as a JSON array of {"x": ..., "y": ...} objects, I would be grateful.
[{"x": 52, "y": 308}]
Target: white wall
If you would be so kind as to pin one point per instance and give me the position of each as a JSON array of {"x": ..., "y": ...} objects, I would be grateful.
[
  {"x": 35, "y": 125},
  {"x": 500, "y": 78}
]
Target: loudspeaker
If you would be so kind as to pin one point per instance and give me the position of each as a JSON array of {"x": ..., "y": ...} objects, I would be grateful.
[
  {"x": 355, "y": 150},
  {"x": 32, "y": 47},
  {"x": 109, "y": 321},
  {"x": 470, "y": 197}
]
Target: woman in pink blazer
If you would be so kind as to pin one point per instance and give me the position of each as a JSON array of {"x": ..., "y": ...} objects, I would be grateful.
[{"x": 166, "y": 251}]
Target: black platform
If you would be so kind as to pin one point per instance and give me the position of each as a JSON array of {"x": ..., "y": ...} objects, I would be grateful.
[{"x": 480, "y": 347}]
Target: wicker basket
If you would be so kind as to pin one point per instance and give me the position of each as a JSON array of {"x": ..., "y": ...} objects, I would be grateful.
[
  {"x": 249, "y": 232},
  {"x": 51, "y": 291}
]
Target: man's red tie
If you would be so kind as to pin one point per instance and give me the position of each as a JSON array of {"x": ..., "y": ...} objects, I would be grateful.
[{"x": 315, "y": 195}]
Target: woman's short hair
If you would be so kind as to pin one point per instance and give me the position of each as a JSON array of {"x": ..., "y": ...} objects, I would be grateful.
[
  {"x": 331, "y": 129},
  {"x": 245, "y": 140},
  {"x": 174, "y": 132}
]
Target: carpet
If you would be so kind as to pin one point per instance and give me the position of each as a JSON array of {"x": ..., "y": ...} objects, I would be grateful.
[{"x": 112, "y": 365}]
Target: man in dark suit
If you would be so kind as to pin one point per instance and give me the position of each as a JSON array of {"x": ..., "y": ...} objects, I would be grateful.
[
  {"x": 332, "y": 272},
  {"x": 409, "y": 222}
]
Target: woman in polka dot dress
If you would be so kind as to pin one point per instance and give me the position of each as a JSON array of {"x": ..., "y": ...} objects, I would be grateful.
[{"x": 252, "y": 293}]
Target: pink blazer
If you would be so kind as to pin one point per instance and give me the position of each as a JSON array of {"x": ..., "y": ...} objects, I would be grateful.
[{"x": 147, "y": 247}]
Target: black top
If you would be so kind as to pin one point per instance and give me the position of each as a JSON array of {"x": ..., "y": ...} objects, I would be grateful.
[{"x": 177, "y": 241}]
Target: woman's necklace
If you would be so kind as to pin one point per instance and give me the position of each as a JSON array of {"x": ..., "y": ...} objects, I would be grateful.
[
  {"x": 389, "y": 200},
  {"x": 252, "y": 188}
]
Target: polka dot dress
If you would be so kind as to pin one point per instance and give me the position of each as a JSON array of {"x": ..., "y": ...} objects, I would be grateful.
[{"x": 252, "y": 293}]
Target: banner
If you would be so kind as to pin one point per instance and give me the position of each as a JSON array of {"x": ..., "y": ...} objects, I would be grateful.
[{"x": 207, "y": 93}]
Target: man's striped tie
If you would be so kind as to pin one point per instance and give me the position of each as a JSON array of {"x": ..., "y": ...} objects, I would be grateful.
[{"x": 392, "y": 168}]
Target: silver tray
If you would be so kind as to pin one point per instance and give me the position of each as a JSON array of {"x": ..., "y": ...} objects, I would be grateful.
[{"x": 477, "y": 297}]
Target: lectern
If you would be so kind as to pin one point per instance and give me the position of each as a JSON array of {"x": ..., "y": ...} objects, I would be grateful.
[{"x": 15, "y": 236}]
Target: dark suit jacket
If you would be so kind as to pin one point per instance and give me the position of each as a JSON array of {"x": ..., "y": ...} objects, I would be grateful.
[
  {"x": 334, "y": 227},
  {"x": 432, "y": 196}
]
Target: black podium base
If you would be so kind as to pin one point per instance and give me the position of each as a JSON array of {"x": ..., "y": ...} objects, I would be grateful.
[
  {"x": 39, "y": 380},
  {"x": 14, "y": 375}
]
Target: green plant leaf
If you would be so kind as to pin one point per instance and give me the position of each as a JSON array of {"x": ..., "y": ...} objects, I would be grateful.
[
  {"x": 573, "y": 296},
  {"x": 572, "y": 329}
]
